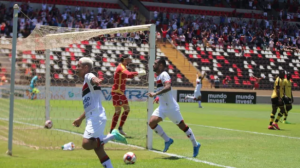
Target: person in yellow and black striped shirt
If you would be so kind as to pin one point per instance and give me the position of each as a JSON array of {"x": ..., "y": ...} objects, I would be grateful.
[
  {"x": 288, "y": 98},
  {"x": 277, "y": 102}
]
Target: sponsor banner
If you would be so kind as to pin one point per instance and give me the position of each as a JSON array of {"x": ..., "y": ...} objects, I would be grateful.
[
  {"x": 73, "y": 93},
  {"x": 219, "y": 97}
]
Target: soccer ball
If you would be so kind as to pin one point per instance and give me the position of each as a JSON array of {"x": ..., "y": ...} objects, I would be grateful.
[
  {"x": 129, "y": 158},
  {"x": 48, "y": 124}
]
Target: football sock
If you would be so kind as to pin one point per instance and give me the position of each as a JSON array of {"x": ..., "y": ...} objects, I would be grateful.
[
  {"x": 278, "y": 117},
  {"x": 114, "y": 121},
  {"x": 271, "y": 118},
  {"x": 107, "y": 138},
  {"x": 189, "y": 133},
  {"x": 199, "y": 102},
  {"x": 158, "y": 129},
  {"x": 123, "y": 118},
  {"x": 105, "y": 161}
]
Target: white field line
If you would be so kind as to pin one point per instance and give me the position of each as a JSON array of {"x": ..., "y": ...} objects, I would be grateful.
[
  {"x": 207, "y": 126},
  {"x": 138, "y": 147}
]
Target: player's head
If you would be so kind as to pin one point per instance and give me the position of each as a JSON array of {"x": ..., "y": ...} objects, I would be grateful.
[
  {"x": 84, "y": 66},
  {"x": 281, "y": 74},
  {"x": 288, "y": 75},
  {"x": 159, "y": 65},
  {"x": 125, "y": 60}
]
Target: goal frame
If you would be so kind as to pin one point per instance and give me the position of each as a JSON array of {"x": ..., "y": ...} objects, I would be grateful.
[{"x": 152, "y": 56}]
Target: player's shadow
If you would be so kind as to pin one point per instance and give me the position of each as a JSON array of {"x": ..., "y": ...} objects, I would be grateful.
[
  {"x": 129, "y": 137},
  {"x": 171, "y": 158},
  {"x": 166, "y": 158}
]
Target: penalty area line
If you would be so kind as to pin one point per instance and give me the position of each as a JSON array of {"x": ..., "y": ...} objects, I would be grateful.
[{"x": 139, "y": 147}]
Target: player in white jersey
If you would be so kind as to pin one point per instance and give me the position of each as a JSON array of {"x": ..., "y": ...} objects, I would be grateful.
[
  {"x": 93, "y": 137},
  {"x": 197, "y": 92},
  {"x": 168, "y": 107}
]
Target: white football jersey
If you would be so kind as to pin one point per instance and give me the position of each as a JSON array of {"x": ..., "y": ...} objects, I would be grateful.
[
  {"x": 91, "y": 98},
  {"x": 166, "y": 100},
  {"x": 198, "y": 86}
]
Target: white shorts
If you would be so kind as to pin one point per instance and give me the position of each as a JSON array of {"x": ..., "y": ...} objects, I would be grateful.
[
  {"x": 173, "y": 114},
  {"x": 95, "y": 126},
  {"x": 197, "y": 94}
]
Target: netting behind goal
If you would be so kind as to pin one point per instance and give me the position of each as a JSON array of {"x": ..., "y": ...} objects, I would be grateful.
[{"x": 65, "y": 92}]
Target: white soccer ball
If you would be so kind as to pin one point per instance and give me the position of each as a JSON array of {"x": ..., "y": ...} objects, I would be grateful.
[
  {"x": 129, "y": 158},
  {"x": 48, "y": 124}
]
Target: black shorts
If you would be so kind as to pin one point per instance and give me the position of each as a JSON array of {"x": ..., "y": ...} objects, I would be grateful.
[
  {"x": 275, "y": 101},
  {"x": 287, "y": 100}
]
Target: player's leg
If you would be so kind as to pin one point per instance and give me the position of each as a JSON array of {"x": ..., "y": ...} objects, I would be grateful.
[
  {"x": 157, "y": 117},
  {"x": 176, "y": 117},
  {"x": 124, "y": 114},
  {"x": 115, "y": 117},
  {"x": 273, "y": 113},
  {"x": 104, "y": 159},
  {"x": 288, "y": 108},
  {"x": 199, "y": 101},
  {"x": 97, "y": 145},
  {"x": 190, "y": 97},
  {"x": 117, "y": 103},
  {"x": 280, "y": 114}
]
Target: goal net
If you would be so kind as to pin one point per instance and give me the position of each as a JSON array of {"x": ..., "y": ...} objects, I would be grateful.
[{"x": 51, "y": 54}]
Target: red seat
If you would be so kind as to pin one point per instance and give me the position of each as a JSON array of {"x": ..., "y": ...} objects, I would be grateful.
[
  {"x": 179, "y": 76},
  {"x": 171, "y": 67},
  {"x": 112, "y": 64},
  {"x": 42, "y": 61},
  {"x": 142, "y": 57},
  {"x": 226, "y": 61},
  {"x": 70, "y": 72},
  {"x": 295, "y": 84},
  {"x": 33, "y": 66},
  {"x": 104, "y": 59},
  {"x": 73, "y": 67},
  {"x": 73, "y": 58},
  {"x": 55, "y": 76}
]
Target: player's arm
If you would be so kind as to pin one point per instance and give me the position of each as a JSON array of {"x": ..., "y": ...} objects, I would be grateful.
[
  {"x": 167, "y": 87},
  {"x": 78, "y": 121},
  {"x": 278, "y": 92},
  {"x": 129, "y": 74},
  {"x": 96, "y": 81}
]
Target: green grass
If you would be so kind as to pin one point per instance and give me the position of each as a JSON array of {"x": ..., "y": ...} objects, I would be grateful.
[{"x": 237, "y": 145}]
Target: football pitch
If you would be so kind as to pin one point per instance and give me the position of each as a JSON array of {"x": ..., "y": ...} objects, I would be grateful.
[{"x": 231, "y": 135}]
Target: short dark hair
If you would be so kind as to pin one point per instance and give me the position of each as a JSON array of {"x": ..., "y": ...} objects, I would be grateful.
[
  {"x": 281, "y": 72},
  {"x": 162, "y": 61},
  {"x": 124, "y": 57}
]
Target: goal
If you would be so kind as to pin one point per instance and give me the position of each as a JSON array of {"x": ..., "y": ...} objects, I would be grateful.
[{"x": 52, "y": 53}]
